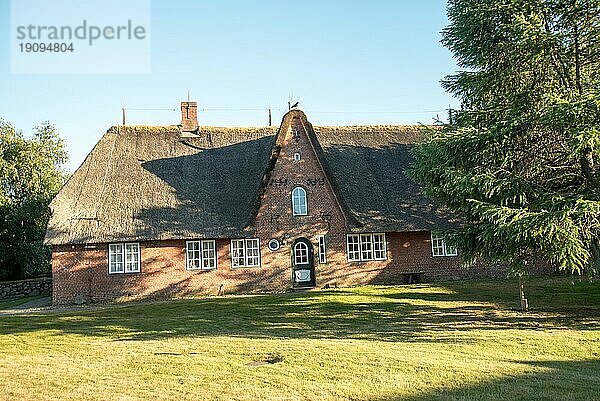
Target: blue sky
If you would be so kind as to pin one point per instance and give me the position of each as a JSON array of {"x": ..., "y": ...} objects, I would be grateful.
[{"x": 346, "y": 62}]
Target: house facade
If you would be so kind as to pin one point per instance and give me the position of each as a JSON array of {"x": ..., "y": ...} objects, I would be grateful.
[{"x": 185, "y": 210}]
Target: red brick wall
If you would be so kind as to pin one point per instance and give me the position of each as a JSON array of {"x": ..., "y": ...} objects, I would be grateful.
[
  {"x": 82, "y": 274},
  {"x": 275, "y": 218}
]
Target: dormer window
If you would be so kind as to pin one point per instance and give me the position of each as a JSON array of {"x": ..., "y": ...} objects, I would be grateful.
[
  {"x": 299, "y": 202},
  {"x": 297, "y": 157}
]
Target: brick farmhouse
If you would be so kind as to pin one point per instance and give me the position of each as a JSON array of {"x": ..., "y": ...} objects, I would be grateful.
[{"x": 185, "y": 210}]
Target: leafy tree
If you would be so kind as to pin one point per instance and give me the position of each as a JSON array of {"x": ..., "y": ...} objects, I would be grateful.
[
  {"x": 518, "y": 163},
  {"x": 31, "y": 173}
]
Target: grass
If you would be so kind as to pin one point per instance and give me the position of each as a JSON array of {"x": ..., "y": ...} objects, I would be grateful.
[{"x": 452, "y": 341}]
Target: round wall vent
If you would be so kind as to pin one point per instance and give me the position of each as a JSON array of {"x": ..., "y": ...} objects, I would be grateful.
[{"x": 274, "y": 244}]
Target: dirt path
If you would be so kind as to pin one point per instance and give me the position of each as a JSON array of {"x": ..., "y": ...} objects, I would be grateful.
[{"x": 35, "y": 305}]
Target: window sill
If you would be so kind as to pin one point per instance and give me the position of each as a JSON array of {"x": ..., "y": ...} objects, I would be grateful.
[
  {"x": 195, "y": 269},
  {"x": 123, "y": 273}
]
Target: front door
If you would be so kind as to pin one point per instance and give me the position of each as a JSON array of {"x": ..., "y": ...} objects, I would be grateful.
[{"x": 303, "y": 267}]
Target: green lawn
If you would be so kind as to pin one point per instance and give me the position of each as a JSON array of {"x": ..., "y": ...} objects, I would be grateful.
[{"x": 452, "y": 341}]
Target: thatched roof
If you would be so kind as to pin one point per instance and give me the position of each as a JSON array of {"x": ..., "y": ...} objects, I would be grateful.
[
  {"x": 368, "y": 165},
  {"x": 153, "y": 183}
]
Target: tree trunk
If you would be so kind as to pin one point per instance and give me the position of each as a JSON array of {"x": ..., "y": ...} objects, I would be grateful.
[
  {"x": 587, "y": 166},
  {"x": 524, "y": 303}
]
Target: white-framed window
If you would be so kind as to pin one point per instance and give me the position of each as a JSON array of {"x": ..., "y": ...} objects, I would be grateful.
[
  {"x": 451, "y": 250},
  {"x": 353, "y": 247},
  {"x": 252, "y": 252},
  {"x": 115, "y": 259},
  {"x": 379, "y": 247},
  {"x": 245, "y": 252},
  {"x": 124, "y": 258},
  {"x": 299, "y": 202},
  {"x": 132, "y": 258},
  {"x": 322, "y": 249},
  {"x": 297, "y": 156},
  {"x": 301, "y": 253},
  {"x": 364, "y": 247},
  {"x": 440, "y": 248},
  {"x": 201, "y": 255}
]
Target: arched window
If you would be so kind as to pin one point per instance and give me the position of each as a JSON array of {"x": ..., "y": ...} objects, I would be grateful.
[
  {"x": 301, "y": 253},
  {"x": 299, "y": 203}
]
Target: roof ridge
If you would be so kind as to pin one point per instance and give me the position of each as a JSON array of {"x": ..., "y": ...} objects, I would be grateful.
[
  {"x": 176, "y": 126},
  {"x": 375, "y": 126}
]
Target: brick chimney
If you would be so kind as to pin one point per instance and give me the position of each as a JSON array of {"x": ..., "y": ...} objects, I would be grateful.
[{"x": 189, "y": 116}]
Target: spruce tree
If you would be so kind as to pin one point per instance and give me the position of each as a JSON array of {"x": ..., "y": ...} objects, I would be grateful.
[{"x": 518, "y": 163}]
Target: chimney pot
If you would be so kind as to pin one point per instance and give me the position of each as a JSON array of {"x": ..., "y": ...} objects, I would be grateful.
[{"x": 189, "y": 116}]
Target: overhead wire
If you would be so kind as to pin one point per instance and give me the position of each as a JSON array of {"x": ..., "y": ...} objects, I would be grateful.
[{"x": 233, "y": 109}]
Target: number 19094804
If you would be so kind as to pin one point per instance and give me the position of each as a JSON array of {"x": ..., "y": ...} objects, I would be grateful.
[{"x": 45, "y": 47}]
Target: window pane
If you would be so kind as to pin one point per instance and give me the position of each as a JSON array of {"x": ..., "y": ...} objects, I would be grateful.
[
  {"x": 366, "y": 246},
  {"x": 379, "y": 246},
  {"x": 193, "y": 263},
  {"x": 115, "y": 257},
  {"x": 208, "y": 255},
  {"x": 437, "y": 245},
  {"x": 301, "y": 253},
  {"x": 132, "y": 258},
  {"x": 322, "y": 250},
  {"x": 192, "y": 254},
  {"x": 238, "y": 256},
  {"x": 353, "y": 247},
  {"x": 299, "y": 201},
  {"x": 252, "y": 252},
  {"x": 450, "y": 251}
]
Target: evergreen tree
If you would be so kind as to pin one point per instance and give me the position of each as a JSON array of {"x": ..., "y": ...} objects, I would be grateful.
[{"x": 518, "y": 163}]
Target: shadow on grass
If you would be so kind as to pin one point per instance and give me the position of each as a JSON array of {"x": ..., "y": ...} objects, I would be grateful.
[
  {"x": 545, "y": 380},
  {"x": 419, "y": 313}
]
